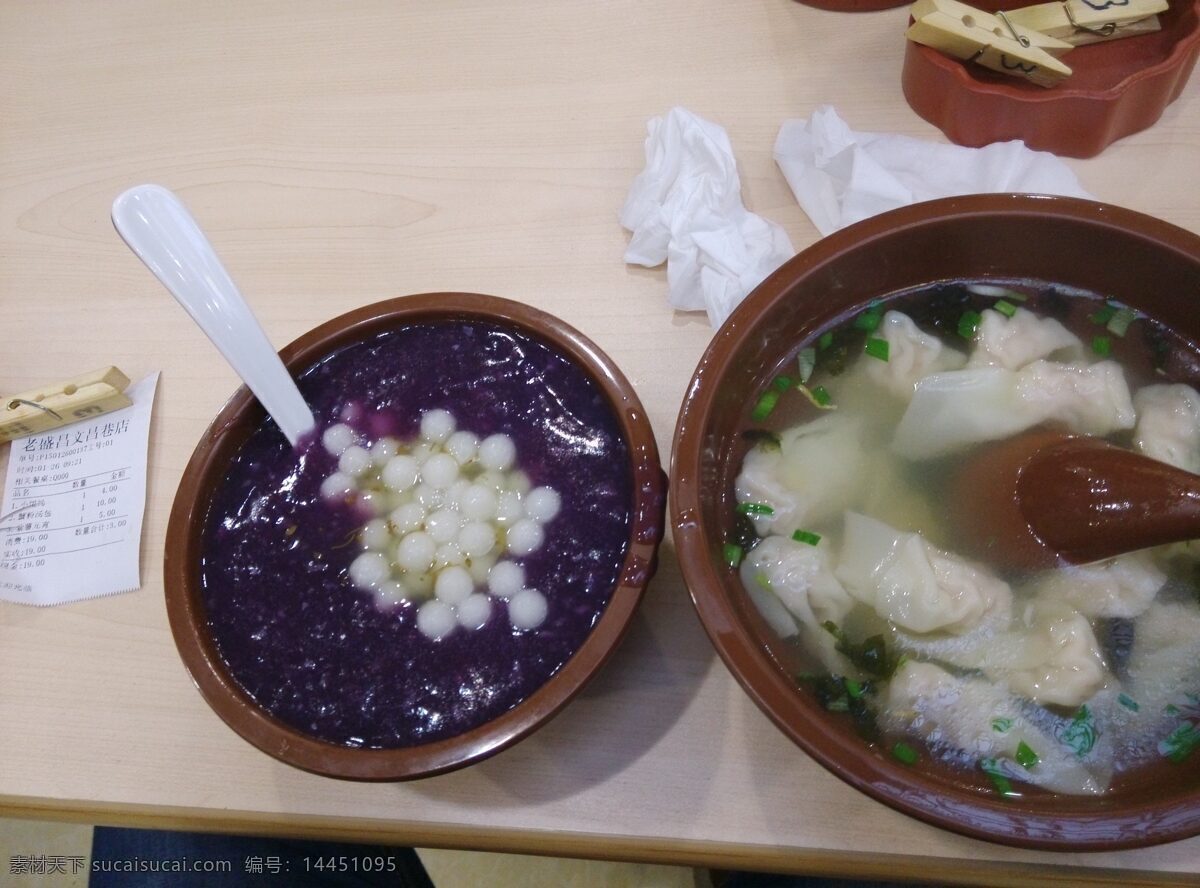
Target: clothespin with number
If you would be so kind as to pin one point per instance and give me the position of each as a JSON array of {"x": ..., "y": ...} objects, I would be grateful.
[
  {"x": 994, "y": 41},
  {"x": 62, "y": 403},
  {"x": 1091, "y": 21}
]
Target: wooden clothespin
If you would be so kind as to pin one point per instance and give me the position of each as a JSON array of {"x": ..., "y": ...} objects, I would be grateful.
[
  {"x": 994, "y": 41},
  {"x": 82, "y": 397},
  {"x": 1091, "y": 21}
]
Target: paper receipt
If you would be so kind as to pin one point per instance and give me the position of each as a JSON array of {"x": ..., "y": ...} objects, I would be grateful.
[{"x": 71, "y": 514}]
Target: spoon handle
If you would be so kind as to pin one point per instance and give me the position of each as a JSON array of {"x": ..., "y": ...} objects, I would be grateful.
[{"x": 159, "y": 229}]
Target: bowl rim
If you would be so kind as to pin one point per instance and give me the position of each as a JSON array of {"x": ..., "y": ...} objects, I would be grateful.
[
  {"x": 181, "y": 564},
  {"x": 910, "y": 792}
]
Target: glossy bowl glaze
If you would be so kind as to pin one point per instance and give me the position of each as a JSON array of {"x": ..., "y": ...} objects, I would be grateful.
[
  {"x": 242, "y": 415},
  {"x": 1115, "y": 89},
  {"x": 1141, "y": 261}
]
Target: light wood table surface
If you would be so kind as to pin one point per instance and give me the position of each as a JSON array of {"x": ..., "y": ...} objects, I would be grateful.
[{"x": 342, "y": 153}]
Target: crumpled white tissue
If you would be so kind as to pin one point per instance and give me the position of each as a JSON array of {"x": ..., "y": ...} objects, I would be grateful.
[
  {"x": 685, "y": 208},
  {"x": 840, "y": 176}
]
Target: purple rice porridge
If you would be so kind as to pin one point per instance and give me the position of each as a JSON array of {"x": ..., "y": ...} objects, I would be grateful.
[{"x": 321, "y": 654}]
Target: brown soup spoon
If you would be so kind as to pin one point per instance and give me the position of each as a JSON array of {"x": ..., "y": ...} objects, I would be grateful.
[{"x": 1046, "y": 498}]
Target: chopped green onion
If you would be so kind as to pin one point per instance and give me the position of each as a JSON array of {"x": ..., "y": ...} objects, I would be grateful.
[
  {"x": 1181, "y": 742},
  {"x": 854, "y": 689},
  {"x": 992, "y": 768},
  {"x": 1128, "y": 702},
  {"x": 1102, "y": 346},
  {"x": 905, "y": 753},
  {"x": 764, "y": 582},
  {"x": 755, "y": 509},
  {"x": 1025, "y": 756},
  {"x": 1001, "y": 725},
  {"x": 968, "y": 324},
  {"x": 826, "y": 340},
  {"x": 765, "y": 405},
  {"x": 782, "y": 383},
  {"x": 869, "y": 320},
  {"x": 733, "y": 554},
  {"x": 1103, "y": 315},
  {"x": 877, "y": 348},
  {"x": 1081, "y": 733},
  {"x": 1119, "y": 322},
  {"x": 807, "y": 359},
  {"x": 806, "y": 536},
  {"x": 818, "y": 396},
  {"x": 1005, "y": 308}
]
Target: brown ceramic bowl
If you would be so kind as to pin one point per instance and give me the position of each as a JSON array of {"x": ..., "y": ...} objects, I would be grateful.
[
  {"x": 853, "y": 5},
  {"x": 1104, "y": 249},
  {"x": 242, "y": 415},
  {"x": 1115, "y": 89}
]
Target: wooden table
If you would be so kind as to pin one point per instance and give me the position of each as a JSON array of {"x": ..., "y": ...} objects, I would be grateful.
[{"x": 341, "y": 153}]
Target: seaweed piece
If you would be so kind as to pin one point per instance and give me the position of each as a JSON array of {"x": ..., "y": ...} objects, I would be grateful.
[
  {"x": 941, "y": 308},
  {"x": 762, "y": 438},
  {"x": 835, "y": 358},
  {"x": 1116, "y": 635},
  {"x": 743, "y": 534},
  {"x": 1157, "y": 344},
  {"x": 837, "y": 693},
  {"x": 870, "y": 655},
  {"x": 1053, "y": 302}
]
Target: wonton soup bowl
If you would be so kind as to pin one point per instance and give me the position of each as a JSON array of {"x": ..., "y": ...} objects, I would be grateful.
[
  {"x": 1143, "y": 262},
  {"x": 242, "y": 415}
]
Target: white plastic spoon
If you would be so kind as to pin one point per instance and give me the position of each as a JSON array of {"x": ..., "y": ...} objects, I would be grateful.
[{"x": 158, "y": 228}]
